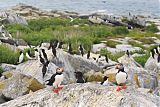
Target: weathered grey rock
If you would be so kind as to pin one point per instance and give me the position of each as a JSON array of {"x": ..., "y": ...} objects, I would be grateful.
[
  {"x": 87, "y": 95},
  {"x": 18, "y": 85},
  {"x": 7, "y": 67},
  {"x": 21, "y": 42},
  {"x": 98, "y": 47},
  {"x": 11, "y": 17}
]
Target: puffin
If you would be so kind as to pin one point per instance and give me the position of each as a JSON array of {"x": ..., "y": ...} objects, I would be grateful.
[
  {"x": 10, "y": 35},
  {"x": 60, "y": 45},
  {"x": 105, "y": 81},
  {"x": 106, "y": 58},
  {"x": 56, "y": 80},
  {"x": 55, "y": 44},
  {"x": 3, "y": 34},
  {"x": 70, "y": 48},
  {"x": 21, "y": 57},
  {"x": 36, "y": 53},
  {"x": 152, "y": 53},
  {"x": 28, "y": 55},
  {"x": 121, "y": 77},
  {"x": 79, "y": 77},
  {"x": 44, "y": 54},
  {"x": 88, "y": 55},
  {"x": 50, "y": 45},
  {"x": 81, "y": 50},
  {"x": 98, "y": 58},
  {"x": 54, "y": 51},
  {"x": 44, "y": 68},
  {"x": 41, "y": 59},
  {"x": 127, "y": 52},
  {"x": 158, "y": 59},
  {"x": 156, "y": 50}
]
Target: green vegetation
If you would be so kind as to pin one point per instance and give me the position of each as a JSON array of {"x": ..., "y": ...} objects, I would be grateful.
[
  {"x": 49, "y": 29},
  {"x": 112, "y": 43},
  {"x": 152, "y": 28},
  {"x": 136, "y": 44},
  {"x": 110, "y": 55},
  {"x": 142, "y": 59},
  {"x": 8, "y": 55},
  {"x": 1, "y": 70},
  {"x": 120, "y": 31}
]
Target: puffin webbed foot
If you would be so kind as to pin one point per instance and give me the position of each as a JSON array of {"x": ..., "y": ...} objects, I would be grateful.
[
  {"x": 56, "y": 90},
  {"x": 118, "y": 89},
  {"x": 124, "y": 87}
]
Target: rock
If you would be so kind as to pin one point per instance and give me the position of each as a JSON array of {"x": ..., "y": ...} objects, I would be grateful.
[
  {"x": 123, "y": 47},
  {"x": 70, "y": 63},
  {"x": 151, "y": 65},
  {"x": 34, "y": 68},
  {"x": 11, "y": 17},
  {"x": 73, "y": 63},
  {"x": 98, "y": 47},
  {"x": 21, "y": 42},
  {"x": 89, "y": 95},
  {"x": 95, "y": 20},
  {"x": 93, "y": 76},
  {"x": 7, "y": 67},
  {"x": 18, "y": 85}
]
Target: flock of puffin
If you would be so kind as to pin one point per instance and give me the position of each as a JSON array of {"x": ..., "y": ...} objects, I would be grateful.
[{"x": 57, "y": 78}]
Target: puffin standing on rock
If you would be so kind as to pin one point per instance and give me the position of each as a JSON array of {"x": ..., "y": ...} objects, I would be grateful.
[
  {"x": 81, "y": 50},
  {"x": 121, "y": 77},
  {"x": 56, "y": 80},
  {"x": 21, "y": 57},
  {"x": 28, "y": 55},
  {"x": 105, "y": 81}
]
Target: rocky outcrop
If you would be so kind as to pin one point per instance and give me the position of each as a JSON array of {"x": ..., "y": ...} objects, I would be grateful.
[
  {"x": 17, "y": 85},
  {"x": 70, "y": 63},
  {"x": 93, "y": 95}
]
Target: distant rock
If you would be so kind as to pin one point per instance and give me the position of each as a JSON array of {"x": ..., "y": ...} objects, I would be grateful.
[
  {"x": 9, "y": 17},
  {"x": 89, "y": 94}
]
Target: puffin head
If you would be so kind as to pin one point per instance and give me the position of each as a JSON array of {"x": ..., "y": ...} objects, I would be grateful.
[{"x": 59, "y": 70}]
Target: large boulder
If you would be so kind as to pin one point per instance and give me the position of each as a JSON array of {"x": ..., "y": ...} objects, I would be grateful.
[
  {"x": 17, "y": 85},
  {"x": 87, "y": 95}
]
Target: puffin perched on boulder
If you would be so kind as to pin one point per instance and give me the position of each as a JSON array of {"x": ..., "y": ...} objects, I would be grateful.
[
  {"x": 121, "y": 77},
  {"x": 56, "y": 80}
]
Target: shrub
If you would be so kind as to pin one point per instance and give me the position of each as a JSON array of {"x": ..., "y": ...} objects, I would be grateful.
[
  {"x": 7, "y": 55},
  {"x": 152, "y": 28}
]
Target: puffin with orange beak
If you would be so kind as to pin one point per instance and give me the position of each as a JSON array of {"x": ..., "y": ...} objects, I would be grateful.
[
  {"x": 121, "y": 77},
  {"x": 56, "y": 80}
]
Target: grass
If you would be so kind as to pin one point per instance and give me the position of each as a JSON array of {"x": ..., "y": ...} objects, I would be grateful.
[
  {"x": 112, "y": 43},
  {"x": 110, "y": 55},
  {"x": 1, "y": 70},
  {"x": 7, "y": 55},
  {"x": 142, "y": 59},
  {"x": 47, "y": 29},
  {"x": 152, "y": 28},
  {"x": 145, "y": 40},
  {"x": 136, "y": 44}
]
